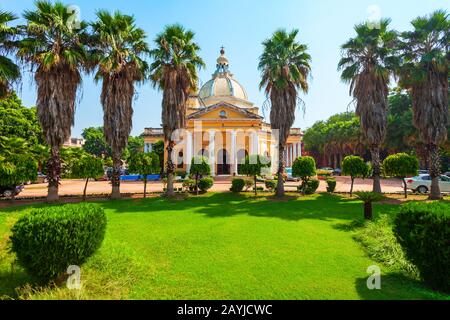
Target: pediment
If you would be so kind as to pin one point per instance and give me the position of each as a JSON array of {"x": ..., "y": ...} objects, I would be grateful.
[{"x": 231, "y": 112}]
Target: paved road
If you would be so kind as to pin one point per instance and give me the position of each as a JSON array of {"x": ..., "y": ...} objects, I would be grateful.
[{"x": 75, "y": 187}]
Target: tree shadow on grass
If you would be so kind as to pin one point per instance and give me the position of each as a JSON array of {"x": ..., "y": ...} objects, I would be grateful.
[
  {"x": 10, "y": 281},
  {"x": 396, "y": 286},
  {"x": 220, "y": 205}
]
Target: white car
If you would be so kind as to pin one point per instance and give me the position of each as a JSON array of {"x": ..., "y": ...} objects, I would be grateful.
[{"x": 422, "y": 183}]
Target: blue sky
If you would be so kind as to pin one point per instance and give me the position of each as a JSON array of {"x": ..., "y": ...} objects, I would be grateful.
[{"x": 241, "y": 26}]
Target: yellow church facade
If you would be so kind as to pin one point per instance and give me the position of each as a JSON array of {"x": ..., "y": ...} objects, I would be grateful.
[{"x": 225, "y": 127}]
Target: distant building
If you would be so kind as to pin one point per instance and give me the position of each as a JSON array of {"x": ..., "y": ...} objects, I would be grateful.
[
  {"x": 74, "y": 143},
  {"x": 231, "y": 128}
]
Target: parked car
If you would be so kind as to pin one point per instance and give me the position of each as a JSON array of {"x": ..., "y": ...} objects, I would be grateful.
[
  {"x": 422, "y": 183},
  {"x": 330, "y": 170},
  {"x": 337, "y": 172},
  {"x": 447, "y": 174},
  {"x": 9, "y": 191},
  {"x": 423, "y": 172}
]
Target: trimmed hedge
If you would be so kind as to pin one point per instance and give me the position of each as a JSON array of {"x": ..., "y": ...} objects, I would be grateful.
[
  {"x": 237, "y": 185},
  {"x": 311, "y": 186},
  {"x": 271, "y": 184},
  {"x": 48, "y": 240},
  {"x": 423, "y": 231},
  {"x": 331, "y": 185},
  {"x": 205, "y": 184}
]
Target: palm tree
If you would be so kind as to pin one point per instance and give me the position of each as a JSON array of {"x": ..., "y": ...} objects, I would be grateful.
[
  {"x": 9, "y": 71},
  {"x": 367, "y": 63},
  {"x": 285, "y": 67},
  {"x": 174, "y": 71},
  {"x": 425, "y": 73},
  {"x": 55, "y": 50},
  {"x": 118, "y": 50}
]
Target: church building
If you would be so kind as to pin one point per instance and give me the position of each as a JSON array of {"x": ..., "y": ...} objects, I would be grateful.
[{"x": 225, "y": 127}]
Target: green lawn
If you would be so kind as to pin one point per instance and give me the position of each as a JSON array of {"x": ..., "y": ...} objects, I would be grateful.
[{"x": 224, "y": 246}]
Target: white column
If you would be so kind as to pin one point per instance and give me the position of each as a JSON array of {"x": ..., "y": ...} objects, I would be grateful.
[
  {"x": 254, "y": 143},
  {"x": 291, "y": 156},
  {"x": 294, "y": 146},
  {"x": 189, "y": 151},
  {"x": 234, "y": 160},
  {"x": 300, "y": 149},
  {"x": 212, "y": 152}
]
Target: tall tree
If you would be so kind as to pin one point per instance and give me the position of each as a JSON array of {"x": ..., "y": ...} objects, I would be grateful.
[
  {"x": 54, "y": 47},
  {"x": 9, "y": 71},
  {"x": 174, "y": 72},
  {"x": 119, "y": 49},
  {"x": 367, "y": 63},
  {"x": 424, "y": 72},
  {"x": 285, "y": 67}
]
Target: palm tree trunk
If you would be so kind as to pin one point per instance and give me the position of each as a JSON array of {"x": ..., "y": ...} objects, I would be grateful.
[
  {"x": 85, "y": 189},
  {"x": 435, "y": 172},
  {"x": 280, "y": 182},
  {"x": 115, "y": 179},
  {"x": 376, "y": 167},
  {"x": 170, "y": 169},
  {"x": 53, "y": 174}
]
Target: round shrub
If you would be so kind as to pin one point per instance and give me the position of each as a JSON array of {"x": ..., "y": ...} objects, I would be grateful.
[
  {"x": 309, "y": 187},
  {"x": 270, "y": 184},
  {"x": 237, "y": 185},
  {"x": 423, "y": 231},
  {"x": 48, "y": 240},
  {"x": 331, "y": 185},
  {"x": 205, "y": 184}
]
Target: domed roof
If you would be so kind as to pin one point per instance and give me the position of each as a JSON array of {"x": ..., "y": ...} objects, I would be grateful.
[{"x": 222, "y": 83}]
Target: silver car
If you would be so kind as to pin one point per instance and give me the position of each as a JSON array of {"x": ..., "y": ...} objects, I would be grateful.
[{"x": 422, "y": 183}]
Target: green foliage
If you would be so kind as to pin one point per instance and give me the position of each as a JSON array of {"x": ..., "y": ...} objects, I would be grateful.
[
  {"x": 354, "y": 167},
  {"x": 87, "y": 167},
  {"x": 304, "y": 168},
  {"x": 48, "y": 240},
  {"x": 95, "y": 142},
  {"x": 423, "y": 230},
  {"x": 200, "y": 166},
  {"x": 309, "y": 187},
  {"x": 189, "y": 183},
  {"x": 18, "y": 121},
  {"x": 331, "y": 185},
  {"x": 144, "y": 163},
  {"x": 17, "y": 163},
  {"x": 323, "y": 173},
  {"x": 237, "y": 185},
  {"x": 400, "y": 165},
  {"x": 379, "y": 240},
  {"x": 135, "y": 145},
  {"x": 369, "y": 197},
  {"x": 205, "y": 184},
  {"x": 270, "y": 184},
  {"x": 254, "y": 165},
  {"x": 70, "y": 157}
]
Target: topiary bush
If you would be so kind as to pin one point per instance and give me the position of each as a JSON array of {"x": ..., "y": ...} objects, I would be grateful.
[
  {"x": 331, "y": 185},
  {"x": 270, "y": 184},
  {"x": 237, "y": 185},
  {"x": 423, "y": 231},
  {"x": 310, "y": 187},
  {"x": 205, "y": 184},
  {"x": 48, "y": 240}
]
